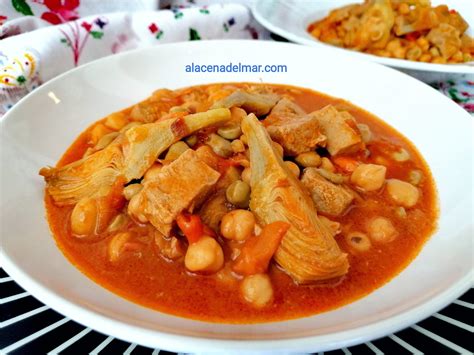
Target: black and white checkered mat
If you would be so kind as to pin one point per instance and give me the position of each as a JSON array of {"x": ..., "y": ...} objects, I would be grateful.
[{"x": 29, "y": 327}]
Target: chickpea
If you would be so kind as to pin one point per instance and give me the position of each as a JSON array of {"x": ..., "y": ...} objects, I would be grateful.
[
  {"x": 152, "y": 173},
  {"x": 403, "y": 193},
  {"x": 104, "y": 141},
  {"x": 278, "y": 148},
  {"x": 257, "y": 289},
  {"x": 341, "y": 32},
  {"x": 308, "y": 159},
  {"x": 396, "y": 48},
  {"x": 423, "y": 43},
  {"x": 238, "y": 193},
  {"x": 246, "y": 175},
  {"x": 404, "y": 8},
  {"x": 134, "y": 209},
  {"x": 220, "y": 146},
  {"x": 191, "y": 140},
  {"x": 145, "y": 112},
  {"x": 399, "y": 53},
  {"x": 365, "y": 132},
  {"x": 116, "y": 121},
  {"x": 130, "y": 125},
  {"x": 131, "y": 190},
  {"x": 205, "y": 255},
  {"x": 244, "y": 139},
  {"x": 425, "y": 58},
  {"x": 238, "y": 225},
  {"x": 232, "y": 174},
  {"x": 438, "y": 60},
  {"x": 415, "y": 177},
  {"x": 176, "y": 109},
  {"x": 237, "y": 114},
  {"x": 316, "y": 32},
  {"x": 434, "y": 51},
  {"x": 358, "y": 241},
  {"x": 369, "y": 177},
  {"x": 379, "y": 159},
  {"x": 116, "y": 245},
  {"x": 225, "y": 276},
  {"x": 326, "y": 164},
  {"x": 457, "y": 57},
  {"x": 382, "y": 53},
  {"x": 333, "y": 177},
  {"x": 401, "y": 155},
  {"x": 191, "y": 106},
  {"x": 295, "y": 170},
  {"x": 381, "y": 230},
  {"x": 414, "y": 53},
  {"x": 98, "y": 132},
  {"x": 230, "y": 132},
  {"x": 237, "y": 146},
  {"x": 176, "y": 150},
  {"x": 400, "y": 212},
  {"x": 117, "y": 223},
  {"x": 84, "y": 217}
]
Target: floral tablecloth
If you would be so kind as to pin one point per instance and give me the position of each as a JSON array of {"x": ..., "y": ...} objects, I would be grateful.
[{"x": 41, "y": 39}]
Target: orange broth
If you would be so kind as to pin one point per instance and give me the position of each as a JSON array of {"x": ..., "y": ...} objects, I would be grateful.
[{"x": 145, "y": 278}]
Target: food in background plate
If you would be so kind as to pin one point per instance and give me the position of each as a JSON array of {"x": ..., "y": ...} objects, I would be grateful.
[
  {"x": 241, "y": 202},
  {"x": 403, "y": 29}
]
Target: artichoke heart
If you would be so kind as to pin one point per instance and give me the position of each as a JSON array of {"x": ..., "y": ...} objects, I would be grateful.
[
  {"x": 127, "y": 158},
  {"x": 144, "y": 143},
  {"x": 93, "y": 176},
  {"x": 308, "y": 251},
  {"x": 257, "y": 103}
]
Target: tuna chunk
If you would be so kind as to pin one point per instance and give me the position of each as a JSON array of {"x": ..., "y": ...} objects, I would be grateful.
[
  {"x": 293, "y": 129},
  {"x": 284, "y": 111},
  {"x": 328, "y": 198},
  {"x": 179, "y": 186},
  {"x": 297, "y": 136},
  {"x": 340, "y": 129}
]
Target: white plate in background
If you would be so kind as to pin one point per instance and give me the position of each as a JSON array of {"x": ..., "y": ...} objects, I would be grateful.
[
  {"x": 37, "y": 131},
  {"x": 291, "y": 18}
]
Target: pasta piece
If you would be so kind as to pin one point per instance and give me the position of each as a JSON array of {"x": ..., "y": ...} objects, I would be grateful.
[
  {"x": 375, "y": 27},
  {"x": 446, "y": 38}
]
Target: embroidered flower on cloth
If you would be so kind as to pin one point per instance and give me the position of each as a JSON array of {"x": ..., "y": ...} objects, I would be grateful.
[
  {"x": 155, "y": 30},
  {"x": 460, "y": 91},
  {"x": 18, "y": 76},
  {"x": 60, "y": 11}
]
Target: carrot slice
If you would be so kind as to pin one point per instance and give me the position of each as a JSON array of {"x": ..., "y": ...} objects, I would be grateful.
[
  {"x": 192, "y": 227},
  {"x": 347, "y": 164},
  {"x": 258, "y": 251}
]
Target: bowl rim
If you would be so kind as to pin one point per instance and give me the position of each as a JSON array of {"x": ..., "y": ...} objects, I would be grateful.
[
  {"x": 177, "y": 342},
  {"x": 173, "y": 341},
  {"x": 392, "y": 62}
]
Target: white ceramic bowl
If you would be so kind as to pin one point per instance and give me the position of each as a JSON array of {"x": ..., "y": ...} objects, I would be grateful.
[
  {"x": 40, "y": 127},
  {"x": 291, "y": 18}
]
